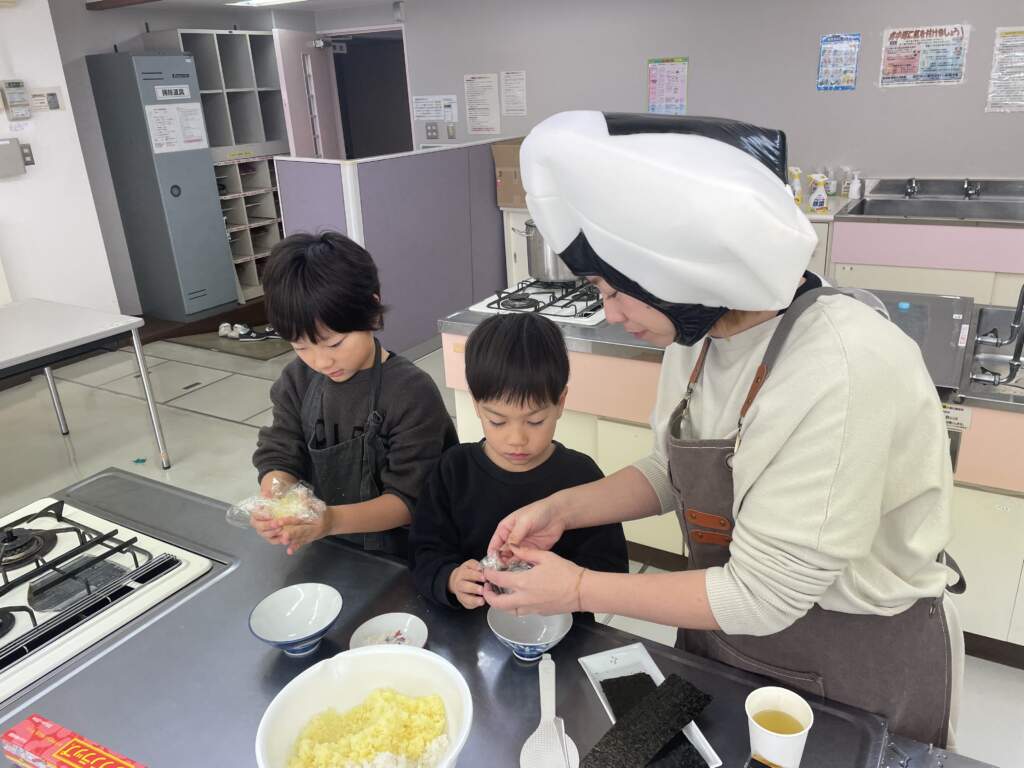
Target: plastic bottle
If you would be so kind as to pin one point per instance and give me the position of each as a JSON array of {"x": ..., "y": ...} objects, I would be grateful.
[
  {"x": 794, "y": 184},
  {"x": 856, "y": 186},
  {"x": 819, "y": 192}
]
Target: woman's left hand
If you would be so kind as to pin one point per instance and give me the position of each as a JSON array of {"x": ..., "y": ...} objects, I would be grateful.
[{"x": 549, "y": 587}]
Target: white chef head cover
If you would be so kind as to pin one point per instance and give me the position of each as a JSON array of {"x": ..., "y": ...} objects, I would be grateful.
[{"x": 690, "y": 219}]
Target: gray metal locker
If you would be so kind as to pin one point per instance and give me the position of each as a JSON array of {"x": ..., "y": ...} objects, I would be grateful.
[{"x": 151, "y": 116}]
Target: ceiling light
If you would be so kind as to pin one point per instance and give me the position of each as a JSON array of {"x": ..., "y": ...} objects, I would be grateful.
[{"x": 260, "y": 3}]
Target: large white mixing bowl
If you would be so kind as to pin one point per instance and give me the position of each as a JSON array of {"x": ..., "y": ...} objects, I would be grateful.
[{"x": 345, "y": 680}]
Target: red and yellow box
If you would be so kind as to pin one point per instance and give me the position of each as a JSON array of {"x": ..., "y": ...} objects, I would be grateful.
[{"x": 39, "y": 743}]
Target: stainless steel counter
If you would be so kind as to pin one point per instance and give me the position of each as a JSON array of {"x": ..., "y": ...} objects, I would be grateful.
[
  {"x": 604, "y": 339},
  {"x": 186, "y": 683}
]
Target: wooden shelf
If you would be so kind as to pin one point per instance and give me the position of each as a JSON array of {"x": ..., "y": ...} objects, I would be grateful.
[{"x": 248, "y": 193}]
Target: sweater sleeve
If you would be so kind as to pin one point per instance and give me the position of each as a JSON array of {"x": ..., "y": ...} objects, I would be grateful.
[
  {"x": 281, "y": 446},
  {"x": 418, "y": 430},
  {"x": 434, "y": 550},
  {"x": 810, "y": 507}
]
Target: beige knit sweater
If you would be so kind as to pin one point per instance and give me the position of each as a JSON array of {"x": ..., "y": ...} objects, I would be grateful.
[{"x": 843, "y": 481}]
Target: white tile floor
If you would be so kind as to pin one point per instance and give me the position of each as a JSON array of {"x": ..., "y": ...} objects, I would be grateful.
[{"x": 212, "y": 404}]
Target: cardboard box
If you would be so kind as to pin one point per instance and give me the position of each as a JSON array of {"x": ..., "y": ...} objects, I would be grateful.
[
  {"x": 506, "y": 173},
  {"x": 40, "y": 743}
]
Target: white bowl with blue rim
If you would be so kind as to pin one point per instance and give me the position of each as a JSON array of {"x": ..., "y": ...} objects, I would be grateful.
[
  {"x": 296, "y": 618},
  {"x": 528, "y": 637}
]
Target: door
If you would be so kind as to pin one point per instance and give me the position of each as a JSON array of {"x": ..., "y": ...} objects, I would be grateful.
[{"x": 310, "y": 93}]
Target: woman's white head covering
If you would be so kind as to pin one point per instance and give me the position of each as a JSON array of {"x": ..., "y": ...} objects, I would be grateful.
[{"x": 691, "y": 219}]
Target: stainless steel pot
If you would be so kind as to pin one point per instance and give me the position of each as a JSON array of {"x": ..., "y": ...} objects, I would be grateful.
[{"x": 543, "y": 263}]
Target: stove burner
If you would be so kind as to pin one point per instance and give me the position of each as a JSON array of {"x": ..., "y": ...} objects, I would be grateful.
[
  {"x": 24, "y": 545},
  {"x": 520, "y": 302},
  {"x": 6, "y": 621}
]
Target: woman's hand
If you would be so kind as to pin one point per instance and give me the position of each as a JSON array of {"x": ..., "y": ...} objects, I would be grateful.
[
  {"x": 467, "y": 584},
  {"x": 536, "y": 526},
  {"x": 551, "y": 586},
  {"x": 293, "y": 532}
]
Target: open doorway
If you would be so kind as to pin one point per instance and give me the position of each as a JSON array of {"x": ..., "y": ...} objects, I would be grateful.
[{"x": 373, "y": 92}]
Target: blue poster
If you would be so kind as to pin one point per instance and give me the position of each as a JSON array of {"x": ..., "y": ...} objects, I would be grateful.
[{"x": 837, "y": 62}]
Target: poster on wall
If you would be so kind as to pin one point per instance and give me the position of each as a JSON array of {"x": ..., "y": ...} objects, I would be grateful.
[
  {"x": 513, "y": 93},
  {"x": 483, "y": 116},
  {"x": 1006, "y": 83},
  {"x": 176, "y": 127},
  {"x": 666, "y": 85},
  {"x": 837, "y": 62},
  {"x": 924, "y": 55},
  {"x": 437, "y": 108}
]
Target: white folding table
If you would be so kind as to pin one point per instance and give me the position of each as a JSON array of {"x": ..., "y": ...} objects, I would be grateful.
[{"x": 36, "y": 334}]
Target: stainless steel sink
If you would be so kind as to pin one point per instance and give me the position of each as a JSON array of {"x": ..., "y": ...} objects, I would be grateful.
[{"x": 933, "y": 210}]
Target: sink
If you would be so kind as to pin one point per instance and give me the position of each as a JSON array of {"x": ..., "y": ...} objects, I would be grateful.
[{"x": 1000, "y": 211}]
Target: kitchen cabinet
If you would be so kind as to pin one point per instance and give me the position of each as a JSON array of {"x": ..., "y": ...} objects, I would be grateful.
[
  {"x": 619, "y": 445},
  {"x": 1017, "y": 622},
  {"x": 943, "y": 282},
  {"x": 516, "y": 263},
  {"x": 819, "y": 259},
  {"x": 988, "y": 539}
]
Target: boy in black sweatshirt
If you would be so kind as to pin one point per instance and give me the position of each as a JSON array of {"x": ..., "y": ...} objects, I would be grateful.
[{"x": 517, "y": 369}]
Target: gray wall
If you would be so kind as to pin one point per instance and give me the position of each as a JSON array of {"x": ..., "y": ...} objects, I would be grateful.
[
  {"x": 754, "y": 61},
  {"x": 81, "y": 32}
]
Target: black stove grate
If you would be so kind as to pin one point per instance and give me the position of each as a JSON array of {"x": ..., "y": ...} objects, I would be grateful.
[{"x": 555, "y": 300}]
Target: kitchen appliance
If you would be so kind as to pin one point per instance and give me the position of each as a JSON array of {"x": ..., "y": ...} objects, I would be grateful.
[
  {"x": 69, "y": 578},
  {"x": 576, "y": 303},
  {"x": 543, "y": 263}
]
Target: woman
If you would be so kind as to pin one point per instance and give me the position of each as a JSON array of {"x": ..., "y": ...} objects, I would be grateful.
[{"x": 801, "y": 441}]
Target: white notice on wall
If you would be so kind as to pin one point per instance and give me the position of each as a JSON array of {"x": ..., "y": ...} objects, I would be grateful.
[
  {"x": 924, "y": 55},
  {"x": 513, "y": 93},
  {"x": 666, "y": 85},
  {"x": 1006, "y": 84},
  {"x": 176, "y": 127},
  {"x": 482, "y": 109},
  {"x": 436, "y": 108}
]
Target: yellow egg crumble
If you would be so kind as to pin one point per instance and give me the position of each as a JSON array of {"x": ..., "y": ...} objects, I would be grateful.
[{"x": 386, "y": 722}]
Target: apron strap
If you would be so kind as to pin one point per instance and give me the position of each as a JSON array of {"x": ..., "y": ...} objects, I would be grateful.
[
  {"x": 312, "y": 405},
  {"x": 680, "y": 411},
  {"x": 960, "y": 586},
  {"x": 376, "y": 379}
]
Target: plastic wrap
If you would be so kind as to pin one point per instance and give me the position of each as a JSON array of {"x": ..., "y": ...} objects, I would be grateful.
[
  {"x": 296, "y": 500},
  {"x": 494, "y": 562}
]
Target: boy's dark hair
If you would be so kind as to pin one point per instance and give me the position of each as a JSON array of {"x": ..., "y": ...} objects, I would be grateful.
[
  {"x": 519, "y": 358},
  {"x": 325, "y": 279}
]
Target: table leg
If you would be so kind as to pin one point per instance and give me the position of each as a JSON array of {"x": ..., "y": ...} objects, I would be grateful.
[
  {"x": 165, "y": 459},
  {"x": 52, "y": 384}
]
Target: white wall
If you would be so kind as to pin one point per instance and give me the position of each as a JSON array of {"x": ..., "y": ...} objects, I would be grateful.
[
  {"x": 755, "y": 61},
  {"x": 81, "y": 32},
  {"x": 50, "y": 241}
]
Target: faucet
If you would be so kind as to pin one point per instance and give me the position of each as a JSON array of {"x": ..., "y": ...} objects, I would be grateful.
[
  {"x": 911, "y": 189},
  {"x": 993, "y": 339},
  {"x": 972, "y": 189}
]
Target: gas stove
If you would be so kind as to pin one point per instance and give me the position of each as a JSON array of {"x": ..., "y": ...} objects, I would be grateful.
[
  {"x": 577, "y": 303},
  {"x": 69, "y": 578}
]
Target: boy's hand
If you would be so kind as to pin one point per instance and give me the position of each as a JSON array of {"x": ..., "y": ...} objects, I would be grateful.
[
  {"x": 284, "y": 480},
  {"x": 467, "y": 584},
  {"x": 293, "y": 532}
]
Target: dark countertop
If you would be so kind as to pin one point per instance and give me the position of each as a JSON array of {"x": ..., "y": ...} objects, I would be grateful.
[{"x": 186, "y": 683}]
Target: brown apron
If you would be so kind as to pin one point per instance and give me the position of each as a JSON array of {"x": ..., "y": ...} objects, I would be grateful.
[{"x": 896, "y": 666}]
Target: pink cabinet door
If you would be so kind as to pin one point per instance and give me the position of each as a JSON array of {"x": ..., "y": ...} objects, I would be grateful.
[{"x": 309, "y": 90}]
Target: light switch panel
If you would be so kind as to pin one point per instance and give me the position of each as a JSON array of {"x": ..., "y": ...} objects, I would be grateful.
[
  {"x": 432, "y": 131},
  {"x": 12, "y": 163}
]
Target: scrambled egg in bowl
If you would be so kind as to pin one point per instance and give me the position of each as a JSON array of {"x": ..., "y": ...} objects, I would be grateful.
[{"x": 388, "y": 730}]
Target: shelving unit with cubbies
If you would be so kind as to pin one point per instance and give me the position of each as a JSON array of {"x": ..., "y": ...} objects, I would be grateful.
[{"x": 245, "y": 122}]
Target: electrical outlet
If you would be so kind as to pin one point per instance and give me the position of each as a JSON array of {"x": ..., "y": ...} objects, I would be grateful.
[
  {"x": 26, "y": 153},
  {"x": 451, "y": 130},
  {"x": 432, "y": 131}
]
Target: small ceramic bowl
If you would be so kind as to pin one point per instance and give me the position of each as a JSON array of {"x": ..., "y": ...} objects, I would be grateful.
[
  {"x": 390, "y": 629},
  {"x": 528, "y": 637},
  {"x": 296, "y": 618}
]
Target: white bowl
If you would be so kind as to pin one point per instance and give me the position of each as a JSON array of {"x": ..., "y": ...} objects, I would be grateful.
[
  {"x": 295, "y": 618},
  {"x": 382, "y": 630},
  {"x": 345, "y": 681},
  {"x": 528, "y": 637}
]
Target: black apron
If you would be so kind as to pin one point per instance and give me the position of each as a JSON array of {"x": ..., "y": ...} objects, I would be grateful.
[
  {"x": 897, "y": 666},
  {"x": 349, "y": 472}
]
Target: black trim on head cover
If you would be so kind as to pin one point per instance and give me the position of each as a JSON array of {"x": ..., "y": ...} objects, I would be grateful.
[{"x": 764, "y": 144}]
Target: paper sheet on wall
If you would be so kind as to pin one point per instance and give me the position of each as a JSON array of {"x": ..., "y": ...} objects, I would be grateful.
[
  {"x": 438, "y": 108},
  {"x": 1006, "y": 84},
  {"x": 513, "y": 93},
  {"x": 666, "y": 85},
  {"x": 176, "y": 127},
  {"x": 837, "y": 62},
  {"x": 483, "y": 114},
  {"x": 924, "y": 55}
]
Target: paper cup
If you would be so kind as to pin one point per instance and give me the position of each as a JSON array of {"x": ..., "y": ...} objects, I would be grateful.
[{"x": 778, "y": 749}]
